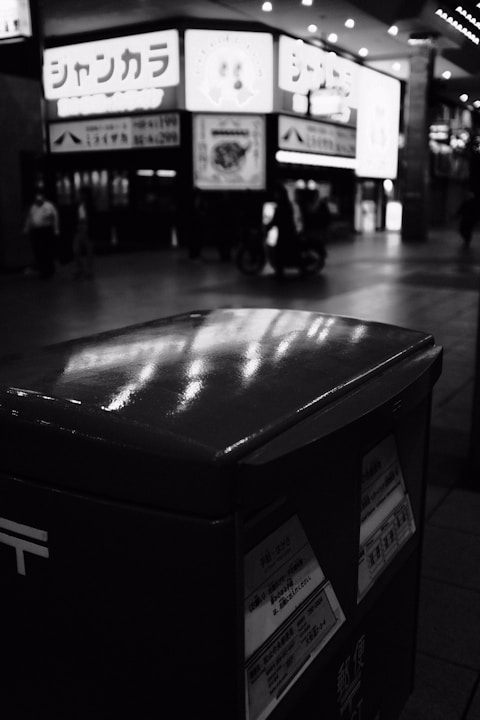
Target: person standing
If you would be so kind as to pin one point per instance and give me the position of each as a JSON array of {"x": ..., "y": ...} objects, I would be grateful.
[
  {"x": 42, "y": 226},
  {"x": 284, "y": 220},
  {"x": 82, "y": 239},
  {"x": 468, "y": 216},
  {"x": 317, "y": 220}
]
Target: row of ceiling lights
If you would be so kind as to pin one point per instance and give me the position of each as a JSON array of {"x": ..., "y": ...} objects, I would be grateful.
[
  {"x": 464, "y": 98},
  {"x": 363, "y": 52},
  {"x": 333, "y": 37}
]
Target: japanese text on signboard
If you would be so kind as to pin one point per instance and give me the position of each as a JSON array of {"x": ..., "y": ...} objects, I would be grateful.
[
  {"x": 107, "y": 66},
  {"x": 117, "y": 133},
  {"x": 329, "y": 79}
]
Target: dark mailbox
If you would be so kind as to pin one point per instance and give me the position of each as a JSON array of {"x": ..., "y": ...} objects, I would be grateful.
[{"x": 218, "y": 515}]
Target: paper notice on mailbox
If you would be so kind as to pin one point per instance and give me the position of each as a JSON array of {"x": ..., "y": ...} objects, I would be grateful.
[
  {"x": 291, "y": 612},
  {"x": 386, "y": 517}
]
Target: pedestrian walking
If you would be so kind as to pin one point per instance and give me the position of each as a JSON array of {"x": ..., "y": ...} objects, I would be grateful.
[
  {"x": 82, "y": 238},
  {"x": 42, "y": 227},
  {"x": 284, "y": 220},
  {"x": 317, "y": 221},
  {"x": 468, "y": 216}
]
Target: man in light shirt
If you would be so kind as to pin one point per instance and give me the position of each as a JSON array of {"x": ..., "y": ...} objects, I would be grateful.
[{"x": 42, "y": 226}]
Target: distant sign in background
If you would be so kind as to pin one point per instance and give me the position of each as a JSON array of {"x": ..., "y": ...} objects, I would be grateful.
[
  {"x": 15, "y": 19},
  {"x": 378, "y": 125}
]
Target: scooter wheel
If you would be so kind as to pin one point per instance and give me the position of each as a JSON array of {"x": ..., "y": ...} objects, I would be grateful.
[
  {"x": 312, "y": 262},
  {"x": 250, "y": 261}
]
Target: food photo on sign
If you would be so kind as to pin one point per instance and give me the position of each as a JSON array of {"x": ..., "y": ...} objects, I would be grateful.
[{"x": 229, "y": 152}]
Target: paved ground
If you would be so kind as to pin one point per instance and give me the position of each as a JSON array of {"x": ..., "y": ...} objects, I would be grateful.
[{"x": 432, "y": 287}]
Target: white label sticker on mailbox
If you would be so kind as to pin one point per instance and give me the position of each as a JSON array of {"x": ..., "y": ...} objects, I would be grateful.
[
  {"x": 291, "y": 612},
  {"x": 386, "y": 514}
]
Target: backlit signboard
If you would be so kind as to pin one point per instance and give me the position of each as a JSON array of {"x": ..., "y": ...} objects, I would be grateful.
[
  {"x": 227, "y": 71},
  {"x": 313, "y": 80},
  {"x": 103, "y": 104},
  {"x": 115, "y": 133},
  {"x": 111, "y": 68},
  {"x": 229, "y": 152},
  {"x": 15, "y": 20},
  {"x": 377, "y": 125},
  {"x": 311, "y": 136}
]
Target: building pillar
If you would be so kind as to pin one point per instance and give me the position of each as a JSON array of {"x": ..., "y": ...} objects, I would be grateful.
[
  {"x": 416, "y": 171},
  {"x": 21, "y": 146},
  {"x": 473, "y": 468}
]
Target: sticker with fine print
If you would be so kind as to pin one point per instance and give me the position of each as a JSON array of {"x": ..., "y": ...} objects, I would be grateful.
[
  {"x": 291, "y": 613},
  {"x": 386, "y": 515}
]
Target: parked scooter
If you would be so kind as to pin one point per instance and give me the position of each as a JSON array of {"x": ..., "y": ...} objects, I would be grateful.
[{"x": 259, "y": 249}]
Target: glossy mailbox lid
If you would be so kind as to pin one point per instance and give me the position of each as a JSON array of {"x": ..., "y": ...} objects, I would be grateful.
[{"x": 206, "y": 386}]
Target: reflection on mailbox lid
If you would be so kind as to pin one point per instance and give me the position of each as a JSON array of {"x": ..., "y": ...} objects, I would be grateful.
[{"x": 221, "y": 379}]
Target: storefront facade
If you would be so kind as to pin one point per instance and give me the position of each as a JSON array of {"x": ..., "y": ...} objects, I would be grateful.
[{"x": 153, "y": 121}]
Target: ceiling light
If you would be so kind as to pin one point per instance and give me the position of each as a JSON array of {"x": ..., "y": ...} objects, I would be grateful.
[
  {"x": 393, "y": 30},
  {"x": 350, "y": 23},
  {"x": 363, "y": 52},
  {"x": 333, "y": 37},
  {"x": 267, "y": 7},
  {"x": 307, "y": 2},
  {"x": 476, "y": 103},
  {"x": 446, "y": 74},
  {"x": 312, "y": 28},
  {"x": 464, "y": 97},
  {"x": 397, "y": 66},
  {"x": 457, "y": 25}
]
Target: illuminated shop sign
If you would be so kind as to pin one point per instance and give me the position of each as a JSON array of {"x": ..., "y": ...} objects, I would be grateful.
[
  {"x": 120, "y": 102},
  {"x": 15, "y": 20},
  {"x": 229, "y": 152},
  {"x": 302, "y": 135},
  {"x": 121, "y": 133},
  {"x": 316, "y": 81},
  {"x": 118, "y": 65},
  {"x": 378, "y": 125},
  {"x": 228, "y": 71},
  {"x": 456, "y": 25}
]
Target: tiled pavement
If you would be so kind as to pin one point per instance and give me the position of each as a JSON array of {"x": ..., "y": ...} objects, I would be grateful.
[{"x": 432, "y": 287}]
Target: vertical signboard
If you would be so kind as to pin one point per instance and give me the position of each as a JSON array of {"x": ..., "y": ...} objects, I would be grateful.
[
  {"x": 227, "y": 71},
  {"x": 229, "y": 152},
  {"x": 378, "y": 125}
]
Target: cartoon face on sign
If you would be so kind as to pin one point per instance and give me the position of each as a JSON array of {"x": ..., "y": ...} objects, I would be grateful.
[{"x": 229, "y": 77}]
